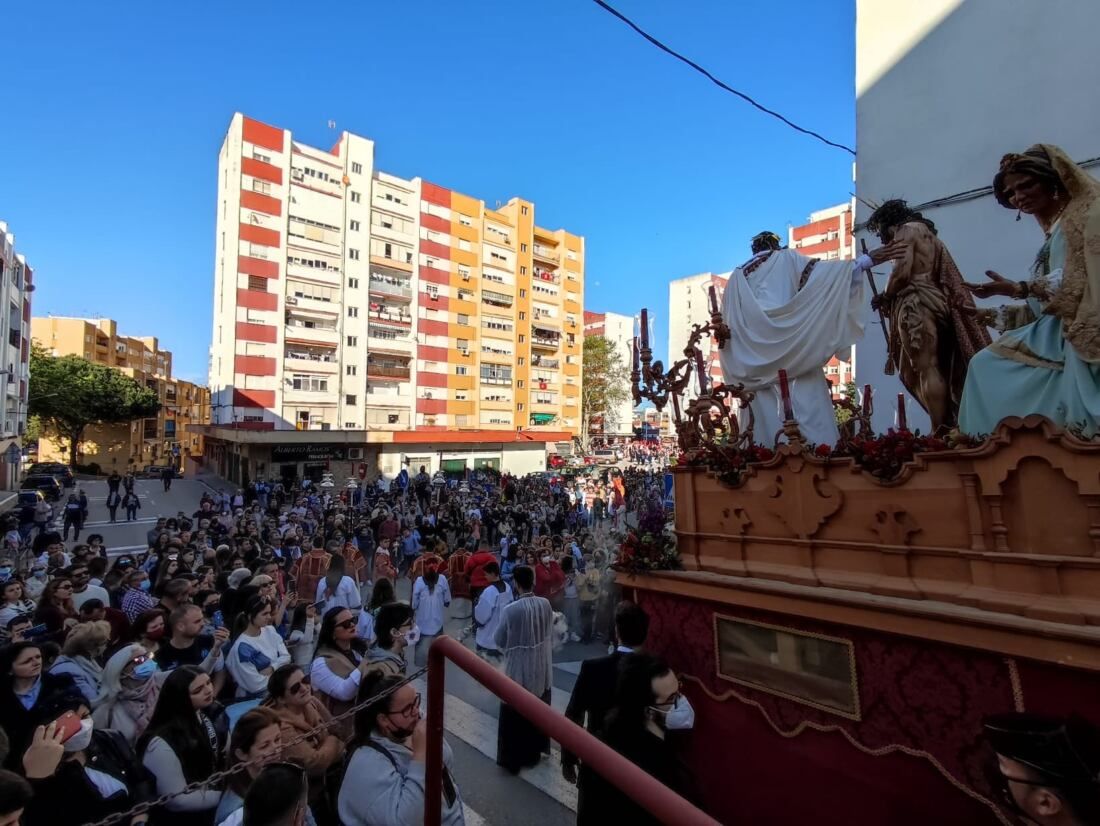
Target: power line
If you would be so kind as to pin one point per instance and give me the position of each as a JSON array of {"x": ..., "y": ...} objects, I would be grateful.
[{"x": 610, "y": 10}]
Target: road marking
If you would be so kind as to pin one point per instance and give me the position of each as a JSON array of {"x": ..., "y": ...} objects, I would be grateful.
[
  {"x": 107, "y": 522},
  {"x": 126, "y": 549},
  {"x": 471, "y": 817}
]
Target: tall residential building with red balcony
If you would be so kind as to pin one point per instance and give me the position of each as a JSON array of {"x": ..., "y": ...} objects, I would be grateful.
[
  {"x": 347, "y": 298},
  {"x": 828, "y": 236}
]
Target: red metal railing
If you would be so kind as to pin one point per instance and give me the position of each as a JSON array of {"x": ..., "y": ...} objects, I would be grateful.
[{"x": 648, "y": 792}]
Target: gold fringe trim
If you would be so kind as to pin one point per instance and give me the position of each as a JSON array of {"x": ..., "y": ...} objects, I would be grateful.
[
  {"x": 1016, "y": 350},
  {"x": 879, "y": 752},
  {"x": 1017, "y": 684}
]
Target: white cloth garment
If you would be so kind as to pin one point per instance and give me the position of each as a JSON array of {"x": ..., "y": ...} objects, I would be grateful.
[
  {"x": 429, "y": 606},
  {"x": 346, "y": 596},
  {"x": 525, "y": 636},
  {"x": 487, "y": 614},
  {"x": 776, "y": 326}
]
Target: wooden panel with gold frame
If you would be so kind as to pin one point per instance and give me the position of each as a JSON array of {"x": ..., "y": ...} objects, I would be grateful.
[{"x": 809, "y": 668}]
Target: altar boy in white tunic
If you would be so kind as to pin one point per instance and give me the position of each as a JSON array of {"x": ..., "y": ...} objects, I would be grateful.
[{"x": 789, "y": 312}]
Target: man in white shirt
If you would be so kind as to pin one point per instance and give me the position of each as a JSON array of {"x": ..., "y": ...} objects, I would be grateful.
[
  {"x": 487, "y": 610},
  {"x": 83, "y": 590}
]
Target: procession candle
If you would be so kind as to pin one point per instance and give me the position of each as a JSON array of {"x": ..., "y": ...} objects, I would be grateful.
[
  {"x": 902, "y": 425},
  {"x": 704, "y": 379},
  {"x": 634, "y": 354},
  {"x": 713, "y": 300},
  {"x": 866, "y": 399},
  {"x": 645, "y": 328},
  {"x": 676, "y": 407},
  {"x": 785, "y": 392}
]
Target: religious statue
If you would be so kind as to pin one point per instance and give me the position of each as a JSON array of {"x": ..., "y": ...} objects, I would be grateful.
[
  {"x": 792, "y": 313},
  {"x": 933, "y": 335},
  {"x": 1047, "y": 359}
]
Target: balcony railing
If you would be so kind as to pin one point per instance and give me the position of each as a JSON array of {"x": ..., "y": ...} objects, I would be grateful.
[
  {"x": 392, "y": 318},
  {"x": 549, "y": 364},
  {"x": 496, "y": 299},
  {"x": 545, "y": 252},
  {"x": 546, "y": 341},
  {"x": 546, "y": 275},
  {"x": 496, "y": 379},
  {"x": 387, "y": 372},
  {"x": 390, "y": 286}
]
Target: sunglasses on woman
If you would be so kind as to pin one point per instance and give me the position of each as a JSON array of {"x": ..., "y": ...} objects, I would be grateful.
[
  {"x": 346, "y": 624},
  {"x": 299, "y": 686}
]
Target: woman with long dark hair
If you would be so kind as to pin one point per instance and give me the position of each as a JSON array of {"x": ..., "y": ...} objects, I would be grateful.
[
  {"x": 257, "y": 651},
  {"x": 148, "y": 630},
  {"x": 339, "y": 664},
  {"x": 395, "y": 630},
  {"x": 56, "y": 609},
  {"x": 256, "y": 740},
  {"x": 25, "y": 691},
  {"x": 182, "y": 745},
  {"x": 381, "y": 594}
]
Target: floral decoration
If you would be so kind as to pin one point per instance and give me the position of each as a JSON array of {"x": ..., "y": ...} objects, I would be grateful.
[{"x": 649, "y": 546}]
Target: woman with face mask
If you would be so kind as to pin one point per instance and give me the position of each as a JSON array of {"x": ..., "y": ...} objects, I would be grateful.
[
  {"x": 648, "y": 705},
  {"x": 36, "y": 582},
  {"x": 80, "y": 656},
  {"x": 131, "y": 685},
  {"x": 388, "y": 761},
  {"x": 149, "y": 629},
  {"x": 98, "y": 776},
  {"x": 395, "y": 630}
]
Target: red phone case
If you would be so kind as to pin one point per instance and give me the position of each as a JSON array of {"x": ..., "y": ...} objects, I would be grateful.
[{"x": 68, "y": 724}]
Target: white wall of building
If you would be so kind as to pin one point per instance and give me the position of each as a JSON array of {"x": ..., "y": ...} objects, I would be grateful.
[
  {"x": 945, "y": 88},
  {"x": 619, "y": 329}
]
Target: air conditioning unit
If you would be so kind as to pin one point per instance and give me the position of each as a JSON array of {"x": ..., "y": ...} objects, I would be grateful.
[
  {"x": 292, "y": 301},
  {"x": 355, "y": 453}
]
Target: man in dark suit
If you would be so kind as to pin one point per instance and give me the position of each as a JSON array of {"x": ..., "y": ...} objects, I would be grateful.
[{"x": 594, "y": 692}]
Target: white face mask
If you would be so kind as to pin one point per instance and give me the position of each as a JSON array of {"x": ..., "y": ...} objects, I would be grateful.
[
  {"x": 681, "y": 716},
  {"x": 413, "y": 637},
  {"x": 80, "y": 740}
]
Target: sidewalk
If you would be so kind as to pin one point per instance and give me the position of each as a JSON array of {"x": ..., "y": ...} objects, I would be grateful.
[{"x": 204, "y": 476}]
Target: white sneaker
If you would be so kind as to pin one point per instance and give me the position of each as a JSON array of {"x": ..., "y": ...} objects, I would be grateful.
[{"x": 573, "y": 637}]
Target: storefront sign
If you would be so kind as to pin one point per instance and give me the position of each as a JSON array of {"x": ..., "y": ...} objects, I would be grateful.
[{"x": 307, "y": 453}]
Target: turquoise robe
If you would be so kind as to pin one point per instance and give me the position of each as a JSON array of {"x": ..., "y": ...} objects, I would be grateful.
[{"x": 1040, "y": 372}]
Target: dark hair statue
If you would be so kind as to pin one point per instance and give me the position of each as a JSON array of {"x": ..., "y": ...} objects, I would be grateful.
[
  {"x": 893, "y": 214},
  {"x": 1034, "y": 163},
  {"x": 765, "y": 240}
]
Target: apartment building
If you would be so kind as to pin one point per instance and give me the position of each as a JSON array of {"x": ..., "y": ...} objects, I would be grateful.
[
  {"x": 828, "y": 236},
  {"x": 688, "y": 305},
  {"x": 167, "y": 438},
  {"x": 16, "y": 286},
  {"x": 348, "y": 298},
  {"x": 619, "y": 330}
]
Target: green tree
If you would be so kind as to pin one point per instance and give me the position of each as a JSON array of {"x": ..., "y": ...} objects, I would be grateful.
[
  {"x": 605, "y": 381},
  {"x": 68, "y": 393},
  {"x": 842, "y": 416}
]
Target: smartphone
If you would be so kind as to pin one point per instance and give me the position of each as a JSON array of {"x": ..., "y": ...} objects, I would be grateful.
[
  {"x": 68, "y": 724},
  {"x": 219, "y": 619},
  {"x": 36, "y": 631},
  {"x": 319, "y": 605}
]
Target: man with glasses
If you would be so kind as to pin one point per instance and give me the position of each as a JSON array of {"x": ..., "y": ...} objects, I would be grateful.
[{"x": 1047, "y": 769}]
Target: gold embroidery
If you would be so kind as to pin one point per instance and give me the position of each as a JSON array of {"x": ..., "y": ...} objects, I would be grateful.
[
  {"x": 1012, "y": 348},
  {"x": 1017, "y": 685}
]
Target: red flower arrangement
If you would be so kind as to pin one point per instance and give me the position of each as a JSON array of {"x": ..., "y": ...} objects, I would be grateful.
[
  {"x": 884, "y": 456},
  {"x": 649, "y": 546}
]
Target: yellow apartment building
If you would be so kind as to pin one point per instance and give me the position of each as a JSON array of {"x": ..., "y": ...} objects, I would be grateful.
[{"x": 165, "y": 439}]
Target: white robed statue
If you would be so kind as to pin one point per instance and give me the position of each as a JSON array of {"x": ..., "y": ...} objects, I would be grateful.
[{"x": 786, "y": 311}]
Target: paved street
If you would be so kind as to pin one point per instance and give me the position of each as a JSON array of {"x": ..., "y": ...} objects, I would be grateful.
[{"x": 538, "y": 797}]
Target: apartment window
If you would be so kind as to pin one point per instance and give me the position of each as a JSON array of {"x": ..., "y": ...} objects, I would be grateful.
[
  {"x": 522, "y": 338},
  {"x": 522, "y": 293},
  {"x": 465, "y": 220},
  {"x": 353, "y": 283},
  {"x": 350, "y": 370},
  {"x": 353, "y": 312},
  {"x": 357, "y": 168},
  {"x": 523, "y": 270},
  {"x": 522, "y": 315},
  {"x": 261, "y": 186},
  {"x": 353, "y": 254},
  {"x": 519, "y": 384},
  {"x": 523, "y": 248},
  {"x": 464, "y": 319},
  {"x": 521, "y": 361},
  {"x": 519, "y": 407},
  {"x": 354, "y": 226},
  {"x": 433, "y": 291},
  {"x": 356, "y": 197},
  {"x": 261, "y": 157},
  {"x": 461, "y": 396},
  {"x": 257, "y": 283},
  {"x": 461, "y": 370},
  {"x": 353, "y": 341},
  {"x": 523, "y": 210},
  {"x": 349, "y": 399},
  {"x": 387, "y": 250},
  {"x": 311, "y": 384}
]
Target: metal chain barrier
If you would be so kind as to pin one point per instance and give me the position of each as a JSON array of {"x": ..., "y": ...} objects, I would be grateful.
[{"x": 218, "y": 777}]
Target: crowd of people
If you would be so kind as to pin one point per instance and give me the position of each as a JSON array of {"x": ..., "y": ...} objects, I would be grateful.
[{"x": 262, "y": 635}]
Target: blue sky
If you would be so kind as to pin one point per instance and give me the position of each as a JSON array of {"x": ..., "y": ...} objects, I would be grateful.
[{"x": 115, "y": 113}]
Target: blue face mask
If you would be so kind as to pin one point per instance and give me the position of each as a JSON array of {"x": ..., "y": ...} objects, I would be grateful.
[
  {"x": 5, "y": 574},
  {"x": 145, "y": 670},
  {"x": 39, "y": 573},
  {"x": 146, "y": 585}
]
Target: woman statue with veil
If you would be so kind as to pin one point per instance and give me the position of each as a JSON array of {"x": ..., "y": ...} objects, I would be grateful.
[{"x": 1047, "y": 359}]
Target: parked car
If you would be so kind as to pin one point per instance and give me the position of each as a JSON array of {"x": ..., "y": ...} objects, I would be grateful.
[
  {"x": 604, "y": 456},
  {"x": 44, "y": 482},
  {"x": 554, "y": 461},
  {"x": 60, "y": 471},
  {"x": 154, "y": 472},
  {"x": 29, "y": 498}
]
